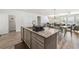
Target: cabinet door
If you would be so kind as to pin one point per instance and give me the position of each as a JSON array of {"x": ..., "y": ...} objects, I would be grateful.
[
  {"x": 27, "y": 38},
  {"x": 37, "y": 42},
  {"x": 22, "y": 33}
]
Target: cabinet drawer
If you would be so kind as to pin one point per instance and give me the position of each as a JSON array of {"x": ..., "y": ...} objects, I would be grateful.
[
  {"x": 37, "y": 44},
  {"x": 38, "y": 37}
]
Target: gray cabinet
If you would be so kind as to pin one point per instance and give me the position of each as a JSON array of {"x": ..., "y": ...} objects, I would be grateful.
[
  {"x": 22, "y": 33},
  {"x": 27, "y": 37},
  {"x": 36, "y": 41}
]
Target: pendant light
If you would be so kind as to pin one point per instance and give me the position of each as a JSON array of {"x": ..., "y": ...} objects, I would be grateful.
[
  {"x": 54, "y": 16},
  {"x": 54, "y": 13}
]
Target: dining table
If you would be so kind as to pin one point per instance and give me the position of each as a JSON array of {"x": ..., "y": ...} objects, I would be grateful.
[{"x": 64, "y": 29}]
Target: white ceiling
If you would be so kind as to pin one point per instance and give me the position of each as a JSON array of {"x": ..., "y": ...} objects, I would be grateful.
[
  {"x": 44, "y": 11},
  {"x": 51, "y": 11}
]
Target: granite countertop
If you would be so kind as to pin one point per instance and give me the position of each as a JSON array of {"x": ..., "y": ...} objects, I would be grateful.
[{"x": 46, "y": 33}]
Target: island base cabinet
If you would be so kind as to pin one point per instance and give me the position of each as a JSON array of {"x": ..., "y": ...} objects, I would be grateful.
[
  {"x": 51, "y": 42},
  {"x": 39, "y": 42},
  {"x": 22, "y": 33},
  {"x": 36, "y": 45},
  {"x": 27, "y": 37}
]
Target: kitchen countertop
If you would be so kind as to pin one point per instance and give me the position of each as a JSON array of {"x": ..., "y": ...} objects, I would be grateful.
[{"x": 47, "y": 32}]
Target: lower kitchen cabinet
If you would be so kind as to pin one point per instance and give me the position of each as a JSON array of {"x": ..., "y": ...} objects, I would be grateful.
[{"x": 37, "y": 41}]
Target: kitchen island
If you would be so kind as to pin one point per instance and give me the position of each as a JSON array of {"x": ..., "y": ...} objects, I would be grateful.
[{"x": 46, "y": 39}]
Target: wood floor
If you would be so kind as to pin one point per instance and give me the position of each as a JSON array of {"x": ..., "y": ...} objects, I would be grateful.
[
  {"x": 69, "y": 41},
  {"x": 10, "y": 40}
]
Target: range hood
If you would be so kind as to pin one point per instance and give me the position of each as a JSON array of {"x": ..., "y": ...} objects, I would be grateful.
[
  {"x": 38, "y": 27},
  {"x": 38, "y": 21}
]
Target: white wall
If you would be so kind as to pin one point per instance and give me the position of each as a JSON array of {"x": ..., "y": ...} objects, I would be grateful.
[
  {"x": 3, "y": 23},
  {"x": 27, "y": 19},
  {"x": 22, "y": 19}
]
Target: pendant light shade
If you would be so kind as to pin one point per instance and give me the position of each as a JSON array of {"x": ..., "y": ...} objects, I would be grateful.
[{"x": 54, "y": 13}]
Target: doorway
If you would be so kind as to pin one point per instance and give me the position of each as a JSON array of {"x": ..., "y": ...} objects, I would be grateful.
[{"x": 12, "y": 24}]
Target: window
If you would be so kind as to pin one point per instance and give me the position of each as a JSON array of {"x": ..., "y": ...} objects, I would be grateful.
[
  {"x": 61, "y": 19},
  {"x": 70, "y": 20},
  {"x": 77, "y": 19}
]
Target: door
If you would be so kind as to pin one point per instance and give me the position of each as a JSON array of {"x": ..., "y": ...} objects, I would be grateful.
[{"x": 12, "y": 24}]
